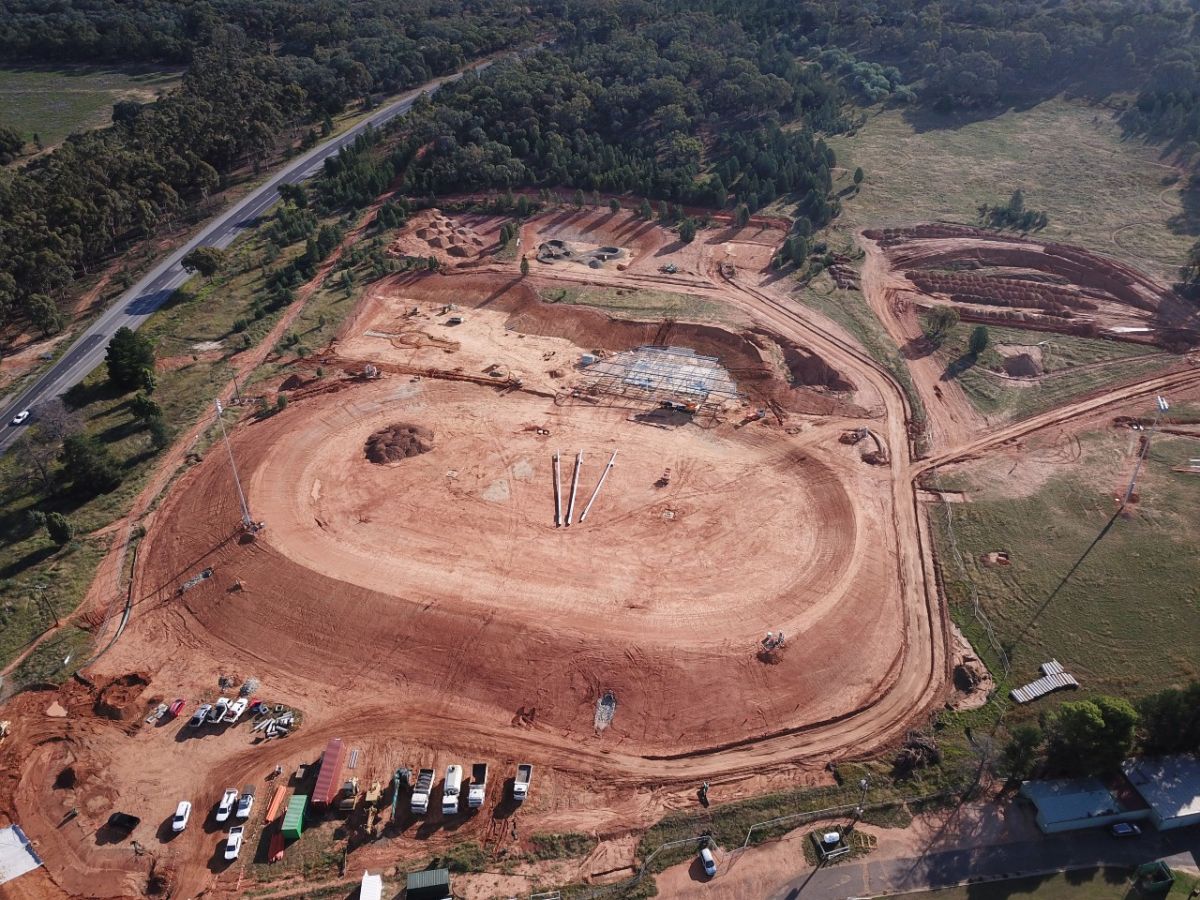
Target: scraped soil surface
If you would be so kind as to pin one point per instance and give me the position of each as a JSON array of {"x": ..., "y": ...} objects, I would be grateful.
[{"x": 994, "y": 277}]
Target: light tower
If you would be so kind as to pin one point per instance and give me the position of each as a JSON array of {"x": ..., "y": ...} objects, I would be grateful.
[
  {"x": 247, "y": 522},
  {"x": 1163, "y": 406}
]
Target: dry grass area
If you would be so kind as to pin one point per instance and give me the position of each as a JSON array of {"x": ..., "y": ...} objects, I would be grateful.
[{"x": 1100, "y": 190}]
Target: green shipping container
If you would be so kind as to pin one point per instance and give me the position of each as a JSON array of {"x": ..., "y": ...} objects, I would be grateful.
[{"x": 293, "y": 819}]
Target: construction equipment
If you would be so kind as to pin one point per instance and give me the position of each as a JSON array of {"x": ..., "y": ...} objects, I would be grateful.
[
  {"x": 522, "y": 781},
  {"x": 421, "y": 792},
  {"x": 402, "y": 777},
  {"x": 348, "y": 795},
  {"x": 478, "y": 790}
]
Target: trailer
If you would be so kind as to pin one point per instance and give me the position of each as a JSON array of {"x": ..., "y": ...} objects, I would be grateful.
[
  {"x": 421, "y": 792},
  {"x": 450, "y": 790},
  {"x": 328, "y": 778},
  {"x": 478, "y": 790},
  {"x": 293, "y": 819},
  {"x": 522, "y": 781}
]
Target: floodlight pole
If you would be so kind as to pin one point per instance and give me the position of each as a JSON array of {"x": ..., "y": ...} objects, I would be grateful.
[
  {"x": 246, "y": 520},
  {"x": 1162, "y": 407}
]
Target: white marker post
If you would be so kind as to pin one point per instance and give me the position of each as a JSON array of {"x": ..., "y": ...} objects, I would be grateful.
[{"x": 599, "y": 484}]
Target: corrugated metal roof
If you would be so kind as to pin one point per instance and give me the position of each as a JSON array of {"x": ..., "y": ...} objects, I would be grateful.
[
  {"x": 429, "y": 878},
  {"x": 331, "y": 769},
  {"x": 1052, "y": 681},
  {"x": 293, "y": 819}
]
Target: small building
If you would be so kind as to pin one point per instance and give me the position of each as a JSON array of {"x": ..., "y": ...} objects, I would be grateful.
[
  {"x": 1170, "y": 785},
  {"x": 329, "y": 775},
  {"x": 432, "y": 884},
  {"x": 1068, "y": 804},
  {"x": 293, "y": 819}
]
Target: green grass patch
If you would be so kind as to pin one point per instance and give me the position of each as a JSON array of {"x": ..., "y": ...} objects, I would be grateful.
[
  {"x": 1073, "y": 366},
  {"x": 1107, "y": 883},
  {"x": 1120, "y": 608},
  {"x": 1100, "y": 190},
  {"x": 468, "y": 856},
  {"x": 562, "y": 846},
  {"x": 55, "y": 103},
  {"x": 642, "y": 305}
]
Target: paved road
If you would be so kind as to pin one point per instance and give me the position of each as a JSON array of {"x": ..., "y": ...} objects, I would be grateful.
[
  {"x": 939, "y": 869},
  {"x": 135, "y": 305}
]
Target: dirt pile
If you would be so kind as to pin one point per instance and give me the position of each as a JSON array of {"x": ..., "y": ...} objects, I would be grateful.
[
  {"x": 397, "y": 442},
  {"x": 118, "y": 699},
  {"x": 452, "y": 241}
]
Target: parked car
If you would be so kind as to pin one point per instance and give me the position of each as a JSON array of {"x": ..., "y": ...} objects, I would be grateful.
[
  {"x": 200, "y": 715},
  {"x": 176, "y": 707},
  {"x": 225, "y": 807},
  {"x": 1125, "y": 829},
  {"x": 246, "y": 803},
  {"x": 709, "y": 863},
  {"x": 233, "y": 843},
  {"x": 218, "y": 710},
  {"x": 123, "y": 821},
  {"x": 20, "y": 417},
  {"x": 236, "y": 708},
  {"x": 183, "y": 812}
]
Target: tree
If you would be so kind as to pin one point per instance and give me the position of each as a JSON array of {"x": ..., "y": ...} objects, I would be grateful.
[
  {"x": 524, "y": 266},
  {"x": 614, "y": 206},
  {"x": 1092, "y": 736},
  {"x": 578, "y": 199},
  {"x": 144, "y": 408},
  {"x": 128, "y": 356},
  {"x": 939, "y": 321},
  {"x": 646, "y": 211},
  {"x": 41, "y": 444},
  {"x": 687, "y": 230},
  {"x": 208, "y": 261},
  {"x": 1021, "y": 752},
  {"x": 979, "y": 340},
  {"x": 858, "y": 176},
  {"x": 89, "y": 464},
  {"x": 60, "y": 530},
  {"x": 44, "y": 314},
  {"x": 741, "y": 215},
  {"x": 11, "y": 143},
  {"x": 160, "y": 435},
  {"x": 1171, "y": 720}
]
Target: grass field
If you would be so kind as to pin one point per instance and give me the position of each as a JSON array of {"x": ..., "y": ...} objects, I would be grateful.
[
  {"x": 1085, "y": 884},
  {"x": 55, "y": 103},
  {"x": 1073, "y": 366},
  {"x": 1100, "y": 191},
  {"x": 1114, "y": 599}
]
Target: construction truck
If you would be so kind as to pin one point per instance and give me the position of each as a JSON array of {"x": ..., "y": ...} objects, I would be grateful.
[
  {"x": 521, "y": 782},
  {"x": 450, "y": 790},
  {"x": 478, "y": 791},
  {"x": 421, "y": 792},
  {"x": 348, "y": 795}
]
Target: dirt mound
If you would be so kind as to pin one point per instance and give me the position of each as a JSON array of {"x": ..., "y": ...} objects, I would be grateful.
[
  {"x": 118, "y": 699},
  {"x": 397, "y": 442}
]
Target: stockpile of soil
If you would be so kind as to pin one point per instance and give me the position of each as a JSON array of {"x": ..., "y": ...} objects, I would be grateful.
[{"x": 397, "y": 442}]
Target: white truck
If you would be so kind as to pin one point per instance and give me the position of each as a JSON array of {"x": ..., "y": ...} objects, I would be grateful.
[
  {"x": 478, "y": 789},
  {"x": 421, "y": 792},
  {"x": 521, "y": 782},
  {"x": 450, "y": 790},
  {"x": 236, "y": 708}
]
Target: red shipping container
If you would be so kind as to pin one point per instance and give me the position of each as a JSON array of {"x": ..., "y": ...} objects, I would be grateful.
[{"x": 328, "y": 783}]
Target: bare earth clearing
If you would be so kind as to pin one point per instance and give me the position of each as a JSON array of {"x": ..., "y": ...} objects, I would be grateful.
[{"x": 426, "y": 609}]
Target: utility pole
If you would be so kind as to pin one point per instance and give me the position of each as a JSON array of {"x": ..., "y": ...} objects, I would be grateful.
[
  {"x": 246, "y": 520},
  {"x": 1163, "y": 406}
]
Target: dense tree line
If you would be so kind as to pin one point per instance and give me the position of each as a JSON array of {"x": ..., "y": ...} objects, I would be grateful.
[
  {"x": 686, "y": 111},
  {"x": 260, "y": 76}
]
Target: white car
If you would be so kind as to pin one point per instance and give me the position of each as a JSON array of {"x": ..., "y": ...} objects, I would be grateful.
[
  {"x": 233, "y": 843},
  {"x": 236, "y": 708},
  {"x": 246, "y": 803},
  {"x": 218, "y": 711},
  {"x": 20, "y": 417},
  {"x": 183, "y": 812},
  {"x": 706, "y": 860},
  {"x": 225, "y": 807}
]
